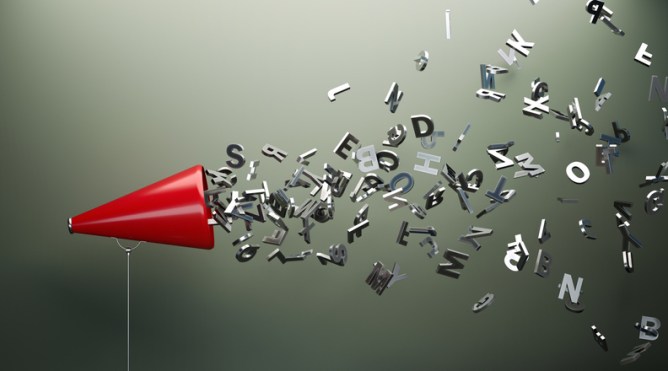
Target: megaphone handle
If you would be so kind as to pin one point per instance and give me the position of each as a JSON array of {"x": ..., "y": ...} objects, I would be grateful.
[{"x": 127, "y": 253}]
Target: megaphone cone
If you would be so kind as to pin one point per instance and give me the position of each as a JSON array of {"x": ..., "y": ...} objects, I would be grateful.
[{"x": 171, "y": 211}]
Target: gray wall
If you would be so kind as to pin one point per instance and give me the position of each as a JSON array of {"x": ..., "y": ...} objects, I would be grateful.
[{"x": 98, "y": 99}]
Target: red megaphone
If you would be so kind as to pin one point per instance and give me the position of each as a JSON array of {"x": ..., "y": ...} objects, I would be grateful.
[{"x": 172, "y": 211}]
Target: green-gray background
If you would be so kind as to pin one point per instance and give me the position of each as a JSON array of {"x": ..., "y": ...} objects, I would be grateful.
[{"x": 99, "y": 98}]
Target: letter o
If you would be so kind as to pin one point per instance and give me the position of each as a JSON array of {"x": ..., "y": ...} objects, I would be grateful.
[{"x": 574, "y": 178}]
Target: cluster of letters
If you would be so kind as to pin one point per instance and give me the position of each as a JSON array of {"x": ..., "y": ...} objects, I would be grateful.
[{"x": 258, "y": 205}]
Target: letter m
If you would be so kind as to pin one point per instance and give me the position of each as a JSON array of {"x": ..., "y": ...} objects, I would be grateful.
[{"x": 448, "y": 269}]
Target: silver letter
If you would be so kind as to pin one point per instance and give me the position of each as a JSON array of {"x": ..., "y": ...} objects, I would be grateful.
[
  {"x": 383, "y": 163},
  {"x": 398, "y": 201},
  {"x": 543, "y": 262},
  {"x": 483, "y": 303},
  {"x": 616, "y": 30},
  {"x": 654, "y": 201},
  {"x": 276, "y": 238},
  {"x": 427, "y": 159},
  {"x": 338, "y": 254},
  {"x": 379, "y": 278},
  {"x": 574, "y": 178},
  {"x": 396, "y": 277},
  {"x": 496, "y": 195},
  {"x": 517, "y": 253},
  {"x": 510, "y": 58},
  {"x": 653, "y": 325},
  {"x": 600, "y": 339},
  {"x": 488, "y": 75},
  {"x": 490, "y": 94},
  {"x": 600, "y": 100},
  {"x": 536, "y": 108},
  {"x": 403, "y": 233},
  {"x": 525, "y": 161},
  {"x": 461, "y": 137},
  {"x": 649, "y": 180},
  {"x": 447, "y": 24},
  {"x": 302, "y": 159},
  {"x": 584, "y": 224},
  {"x": 543, "y": 234},
  {"x": 246, "y": 252},
  {"x": 344, "y": 145},
  {"x": 368, "y": 161},
  {"x": 434, "y": 246},
  {"x": 448, "y": 269},
  {"x": 416, "y": 119},
  {"x": 655, "y": 88},
  {"x": 400, "y": 176},
  {"x": 642, "y": 56},
  {"x": 339, "y": 89},
  {"x": 356, "y": 229},
  {"x": 595, "y": 8},
  {"x": 568, "y": 286},
  {"x": 253, "y": 170},
  {"x": 430, "y": 141},
  {"x": 393, "y": 97},
  {"x": 665, "y": 121},
  {"x": 422, "y": 60},
  {"x": 232, "y": 150},
  {"x": 277, "y": 153},
  {"x": 435, "y": 196},
  {"x": 223, "y": 177},
  {"x": 497, "y": 153},
  {"x": 475, "y": 232},
  {"x": 519, "y": 44},
  {"x": 395, "y": 136},
  {"x": 598, "y": 89}
]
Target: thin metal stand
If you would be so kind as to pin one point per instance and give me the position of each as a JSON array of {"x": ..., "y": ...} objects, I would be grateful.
[{"x": 127, "y": 253}]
